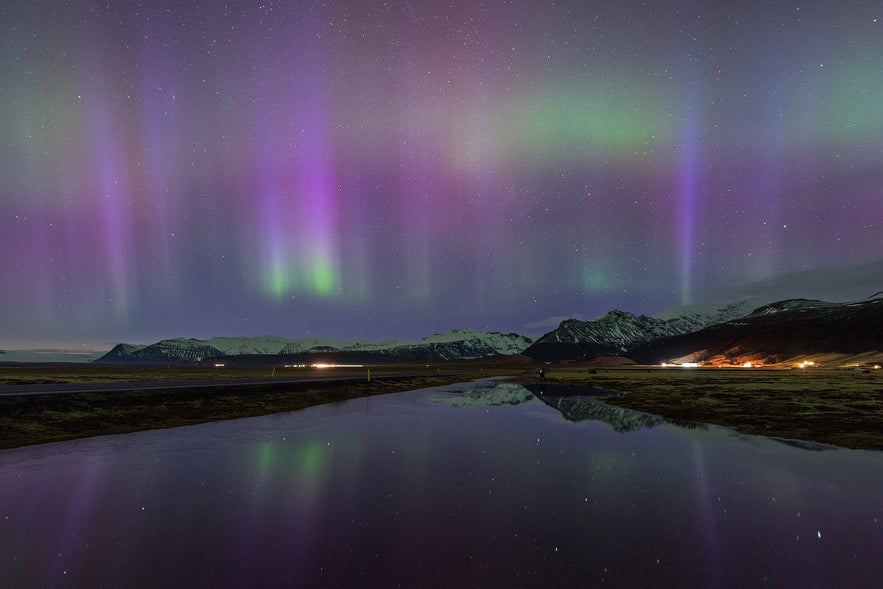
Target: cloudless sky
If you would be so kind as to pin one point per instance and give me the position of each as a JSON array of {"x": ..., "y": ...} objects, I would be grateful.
[{"x": 393, "y": 169}]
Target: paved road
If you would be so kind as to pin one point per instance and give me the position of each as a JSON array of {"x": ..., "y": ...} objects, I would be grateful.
[{"x": 142, "y": 385}]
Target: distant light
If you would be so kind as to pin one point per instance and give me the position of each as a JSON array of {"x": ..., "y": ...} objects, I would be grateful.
[
  {"x": 321, "y": 365},
  {"x": 806, "y": 364},
  {"x": 219, "y": 364},
  {"x": 690, "y": 364},
  {"x": 747, "y": 365}
]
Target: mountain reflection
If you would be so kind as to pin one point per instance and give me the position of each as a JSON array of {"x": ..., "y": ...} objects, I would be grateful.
[
  {"x": 581, "y": 403},
  {"x": 493, "y": 394},
  {"x": 584, "y": 407},
  {"x": 575, "y": 403}
]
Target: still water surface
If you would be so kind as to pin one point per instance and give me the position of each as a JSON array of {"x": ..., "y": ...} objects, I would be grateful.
[{"x": 475, "y": 485}]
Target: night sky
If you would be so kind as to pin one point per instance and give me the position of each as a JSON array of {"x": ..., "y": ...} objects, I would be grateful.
[{"x": 395, "y": 169}]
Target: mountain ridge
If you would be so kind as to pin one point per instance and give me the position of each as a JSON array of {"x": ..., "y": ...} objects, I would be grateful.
[
  {"x": 746, "y": 330},
  {"x": 463, "y": 343},
  {"x": 616, "y": 332}
]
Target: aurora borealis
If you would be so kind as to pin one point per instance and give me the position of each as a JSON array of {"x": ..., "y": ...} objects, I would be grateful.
[{"x": 394, "y": 169}]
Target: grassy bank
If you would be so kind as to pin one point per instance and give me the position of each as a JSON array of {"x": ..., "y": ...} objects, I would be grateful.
[{"x": 839, "y": 407}]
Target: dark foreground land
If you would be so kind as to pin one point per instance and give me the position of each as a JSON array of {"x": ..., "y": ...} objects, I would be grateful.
[{"x": 841, "y": 407}]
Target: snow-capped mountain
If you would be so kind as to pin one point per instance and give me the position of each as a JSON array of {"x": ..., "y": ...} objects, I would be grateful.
[
  {"x": 457, "y": 344},
  {"x": 297, "y": 346},
  {"x": 499, "y": 343},
  {"x": 170, "y": 350},
  {"x": 462, "y": 344},
  {"x": 693, "y": 317},
  {"x": 616, "y": 332},
  {"x": 232, "y": 346}
]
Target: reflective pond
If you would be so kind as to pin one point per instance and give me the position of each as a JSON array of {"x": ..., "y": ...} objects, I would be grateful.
[{"x": 474, "y": 485}]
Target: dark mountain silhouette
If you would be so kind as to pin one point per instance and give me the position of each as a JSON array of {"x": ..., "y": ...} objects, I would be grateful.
[
  {"x": 775, "y": 333},
  {"x": 770, "y": 333}
]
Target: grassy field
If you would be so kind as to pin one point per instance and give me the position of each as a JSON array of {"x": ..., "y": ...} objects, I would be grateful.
[{"x": 840, "y": 407}]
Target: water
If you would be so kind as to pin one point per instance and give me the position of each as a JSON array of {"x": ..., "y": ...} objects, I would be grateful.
[{"x": 479, "y": 485}]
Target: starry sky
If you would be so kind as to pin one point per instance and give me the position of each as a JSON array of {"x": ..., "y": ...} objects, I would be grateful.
[{"x": 393, "y": 169}]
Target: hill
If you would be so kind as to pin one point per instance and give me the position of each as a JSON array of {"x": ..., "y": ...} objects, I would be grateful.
[{"x": 769, "y": 334}]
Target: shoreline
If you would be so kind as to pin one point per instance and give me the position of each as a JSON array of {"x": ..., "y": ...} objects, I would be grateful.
[{"x": 838, "y": 407}]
